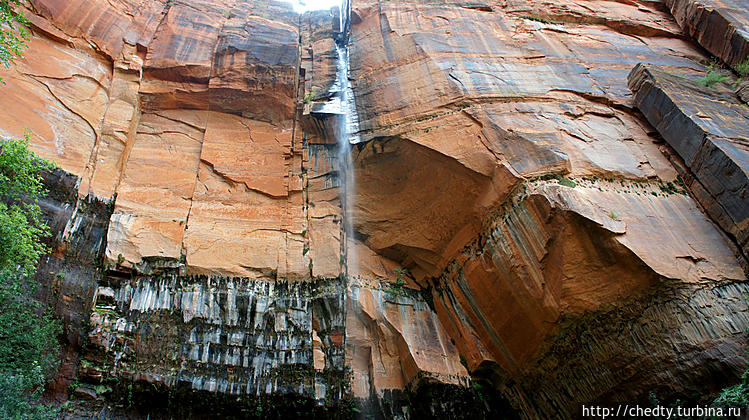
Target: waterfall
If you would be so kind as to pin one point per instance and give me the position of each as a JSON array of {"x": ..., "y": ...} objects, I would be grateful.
[
  {"x": 343, "y": 104},
  {"x": 348, "y": 134},
  {"x": 340, "y": 109}
]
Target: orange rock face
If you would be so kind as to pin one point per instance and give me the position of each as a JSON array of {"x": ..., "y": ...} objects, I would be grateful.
[
  {"x": 185, "y": 116},
  {"x": 392, "y": 339},
  {"x": 507, "y": 170},
  {"x": 552, "y": 254}
]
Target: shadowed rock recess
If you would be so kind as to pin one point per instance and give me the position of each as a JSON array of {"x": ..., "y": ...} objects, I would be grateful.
[{"x": 567, "y": 240}]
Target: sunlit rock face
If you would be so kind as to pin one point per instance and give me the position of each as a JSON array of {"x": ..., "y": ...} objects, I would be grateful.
[
  {"x": 214, "y": 262},
  {"x": 709, "y": 129},
  {"x": 558, "y": 251},
  {"x": 508, "y": 170}
]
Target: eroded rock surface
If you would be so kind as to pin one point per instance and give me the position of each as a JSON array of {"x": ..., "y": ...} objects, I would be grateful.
[
  {"x": 709, "y": 129},
  {"x": 223, "y": 253},
  {"x": 718, "y": 25},
  {"x": 541, "y": 195}
]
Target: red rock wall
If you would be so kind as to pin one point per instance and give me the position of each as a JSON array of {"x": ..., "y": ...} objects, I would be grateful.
[
  {"x": 508, "y": 170},
  {"x": 185, "y": 116}
]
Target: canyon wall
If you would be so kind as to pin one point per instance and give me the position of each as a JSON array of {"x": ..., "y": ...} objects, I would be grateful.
[
  {"x": 509, "y": 171},
  {"x": 561, "y": 244}
]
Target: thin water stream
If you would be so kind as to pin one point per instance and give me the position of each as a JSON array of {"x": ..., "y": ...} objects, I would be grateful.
[{"x": 343, "y": 104}]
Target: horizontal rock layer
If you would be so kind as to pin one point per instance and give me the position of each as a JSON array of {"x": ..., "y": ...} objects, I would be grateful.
[{"x": 220, "y": 335}]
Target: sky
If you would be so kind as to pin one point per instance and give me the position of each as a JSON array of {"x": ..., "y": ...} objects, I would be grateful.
[{"x": 305, "y": 5}]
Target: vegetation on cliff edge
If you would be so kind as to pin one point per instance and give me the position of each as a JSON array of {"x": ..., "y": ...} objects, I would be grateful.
[
  {"x": 27, "y": 337},
  {"x": 15, "y": 33}
]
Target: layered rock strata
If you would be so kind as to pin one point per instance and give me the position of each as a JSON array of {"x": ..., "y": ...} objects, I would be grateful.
[
  {"x": 718, "y": 25},
  {"x": 219, "y": 258},
  {"x": 507, "y": 170},
  {"x": 709, "y": 130}
]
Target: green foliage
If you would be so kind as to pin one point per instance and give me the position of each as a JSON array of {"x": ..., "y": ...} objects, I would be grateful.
[
  {"x": 20, "y": 170},
  {"x": 567, "y": 182},
  {"x": 14, "y": 34},
  {"x": 20, "y": 218},
  {"x": 735, "y": 396},
  {"x": 14, "y": 401},
  {"x": 309, "y": 97},
  {"x": 612, "y": 215},
  {"x": 27, "y": 339},
  {"x": 102, "y": 389},
  {"x": 24, "y": 340},
  {"x": 713, "y": 76},
  {"x": 397, "y": 286},
  {"x": 743, "y": 68},
  {"x": 20, "y": 229}
]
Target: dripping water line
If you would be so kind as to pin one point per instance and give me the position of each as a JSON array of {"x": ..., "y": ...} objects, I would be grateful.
[{"x": 347, "y": 129}]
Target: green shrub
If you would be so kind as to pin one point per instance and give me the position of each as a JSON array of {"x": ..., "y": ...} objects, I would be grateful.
[
  {"x": 21, "y": 226},
  {"x": 28, "y": 344},
  {"x": 567, "y": 182},
  {"x": 712, "y": 77},
  {"x": 743, "y": 68},
  {"x": 14, "y": 34},
  {"x": 309, "y": 97},
  {"x": 14, "y": 400},
  {"x": 397, "y": 286},
  {"x": 735, "y": 396},
  {"x": 28, "y": 341}
]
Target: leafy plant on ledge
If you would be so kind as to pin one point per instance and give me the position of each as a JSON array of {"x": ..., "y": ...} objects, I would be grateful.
[
  {"x": 396, "y": 288},
  {"x": 743, "y": 68},
  {"x": 309, "y": 97},
  {"x": 713, "y": 75},
  {"x": 711, "y": 78}
]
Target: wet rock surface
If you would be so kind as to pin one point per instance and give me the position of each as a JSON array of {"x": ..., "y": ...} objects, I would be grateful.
[
  {"x": 542, "y": 196},
  {"x": 67, "y": 276}
]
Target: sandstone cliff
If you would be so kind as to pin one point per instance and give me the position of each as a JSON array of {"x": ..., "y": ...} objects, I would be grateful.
[{"x": 566, "y": 240}]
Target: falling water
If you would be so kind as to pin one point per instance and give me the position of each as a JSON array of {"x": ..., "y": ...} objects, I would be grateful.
[
  {"x": 347, "y": 134},
  {"x": 343, "y": 104}
]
